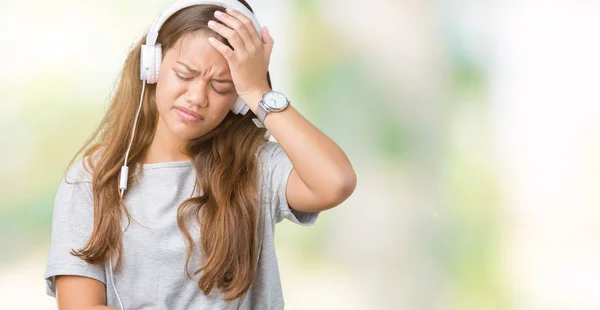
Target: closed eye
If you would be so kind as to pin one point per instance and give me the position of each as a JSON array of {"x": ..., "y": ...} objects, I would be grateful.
[
  {"x": 220, "y": 92},
  {"x": 186, "y": 79},
  {"x": 183, "y": 78}
]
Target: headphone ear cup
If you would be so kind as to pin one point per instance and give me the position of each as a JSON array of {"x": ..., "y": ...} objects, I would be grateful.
[
  {"x": 150, "y": 60},
  {"x": 157, "y": 62},
  {"x": 239, "y": 106},
  {"x": 144, "y": 67}
]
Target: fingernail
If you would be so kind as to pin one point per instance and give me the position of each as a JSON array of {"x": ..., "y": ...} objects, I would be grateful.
[
  {"x": 211, "y": 23},
  {"x": 230, "y": 10},
  {"x": 218, "y": 13}
]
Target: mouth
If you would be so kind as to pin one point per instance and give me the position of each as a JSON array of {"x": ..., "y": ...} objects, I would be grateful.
[{"x": 189, "y": 115}]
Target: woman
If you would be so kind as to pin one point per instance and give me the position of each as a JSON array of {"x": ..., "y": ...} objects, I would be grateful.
[{"x": 191, "y": 225}]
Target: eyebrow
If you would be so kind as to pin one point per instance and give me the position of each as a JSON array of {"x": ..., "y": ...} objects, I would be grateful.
[{"x": 198, "y": 72}]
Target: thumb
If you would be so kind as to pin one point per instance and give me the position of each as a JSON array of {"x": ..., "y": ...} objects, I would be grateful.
[{"x": 267, "y": 39}]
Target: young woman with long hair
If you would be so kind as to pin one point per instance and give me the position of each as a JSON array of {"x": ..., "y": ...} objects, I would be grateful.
[{"x": 174, "y": 203}]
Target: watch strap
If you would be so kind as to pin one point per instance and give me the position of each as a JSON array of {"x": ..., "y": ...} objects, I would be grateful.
[
  {"x": 258, "y": 123},
  {"x": 261, "y": 111}
]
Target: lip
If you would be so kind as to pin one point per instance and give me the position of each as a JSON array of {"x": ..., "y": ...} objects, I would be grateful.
[{"x": 189, "y": 115}]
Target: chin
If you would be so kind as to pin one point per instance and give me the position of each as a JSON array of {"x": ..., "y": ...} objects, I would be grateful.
[
  {"x": 188, "y": 136},
  {"x": 186, "y": 133}
]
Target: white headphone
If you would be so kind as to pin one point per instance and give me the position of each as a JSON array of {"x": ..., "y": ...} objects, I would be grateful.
[{"x": 151, "y": 57}]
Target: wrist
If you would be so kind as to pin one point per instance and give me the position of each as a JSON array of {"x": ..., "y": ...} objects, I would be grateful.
[{"x": 253, "y": 97}]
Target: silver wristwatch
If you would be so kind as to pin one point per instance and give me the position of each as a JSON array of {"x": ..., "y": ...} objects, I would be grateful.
[{"x": 272, "y": 101}]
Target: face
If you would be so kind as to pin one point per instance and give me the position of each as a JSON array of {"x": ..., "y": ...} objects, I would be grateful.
[{"x": 194, "y": 91}]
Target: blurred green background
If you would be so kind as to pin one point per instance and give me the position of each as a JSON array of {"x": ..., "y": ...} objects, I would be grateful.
[{"x": 473, "y": 126}]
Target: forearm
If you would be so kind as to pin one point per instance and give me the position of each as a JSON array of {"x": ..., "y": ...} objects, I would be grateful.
[{"x": 318, "y": 160}]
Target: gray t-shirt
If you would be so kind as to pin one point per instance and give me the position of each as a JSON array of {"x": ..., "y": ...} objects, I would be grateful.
[{"x": 152, "y": 274}]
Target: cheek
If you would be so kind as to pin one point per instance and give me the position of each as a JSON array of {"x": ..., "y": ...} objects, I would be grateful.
[
  {"x": 167, "y": 91},
  {"x": 221, "y": 105}
]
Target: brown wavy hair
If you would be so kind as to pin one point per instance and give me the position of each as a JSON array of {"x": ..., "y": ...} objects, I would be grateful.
[{"x": 226, "y": 209}]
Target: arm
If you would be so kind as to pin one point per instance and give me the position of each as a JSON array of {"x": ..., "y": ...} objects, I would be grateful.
[
  {"x": 322, "y": 177},
  {"x": 75, "y": 292}
]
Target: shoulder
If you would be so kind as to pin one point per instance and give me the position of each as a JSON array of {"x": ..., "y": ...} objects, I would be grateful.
[
  {"x": 274, "y": 163},
  {"x": 268, "y": 151},
  {"x": 81, "y": 171},
  {"x": 73, "y": 203}
]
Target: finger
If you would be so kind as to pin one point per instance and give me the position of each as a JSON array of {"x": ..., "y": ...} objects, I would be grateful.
[
  {"x": 268, "y": 40},
  {"x": 229, "y": 34},
  {"x": 248, "y": 25},
  {"x": 227, "y": 52},
  {"x": 237, "y": 25}
]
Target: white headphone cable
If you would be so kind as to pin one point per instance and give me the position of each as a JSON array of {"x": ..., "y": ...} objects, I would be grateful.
[
  {"x": 124, "y": 168},
  {"x": 123, "y": 186},
  {"x": 112, "y": 280}
]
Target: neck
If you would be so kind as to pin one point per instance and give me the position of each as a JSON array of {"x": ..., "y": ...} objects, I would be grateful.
[{"x": 165, "y": 147}]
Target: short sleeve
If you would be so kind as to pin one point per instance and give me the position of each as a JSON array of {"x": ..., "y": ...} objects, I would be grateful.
[
  {"x": 276, "y": 169},
  {"x": 72, "y": 220}
]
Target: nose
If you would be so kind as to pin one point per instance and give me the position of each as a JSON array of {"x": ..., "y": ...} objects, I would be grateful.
[{"x": 197, "y": 93}]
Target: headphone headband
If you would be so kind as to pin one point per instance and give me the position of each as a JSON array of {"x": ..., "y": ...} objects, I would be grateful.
[{"x": 182, "y": 4}]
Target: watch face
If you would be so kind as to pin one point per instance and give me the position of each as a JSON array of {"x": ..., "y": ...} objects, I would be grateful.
[{"x": 275, "y": 100}]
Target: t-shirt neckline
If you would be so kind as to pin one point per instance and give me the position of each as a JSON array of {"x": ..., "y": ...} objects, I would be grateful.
[{"x": 169, "y": 164}]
